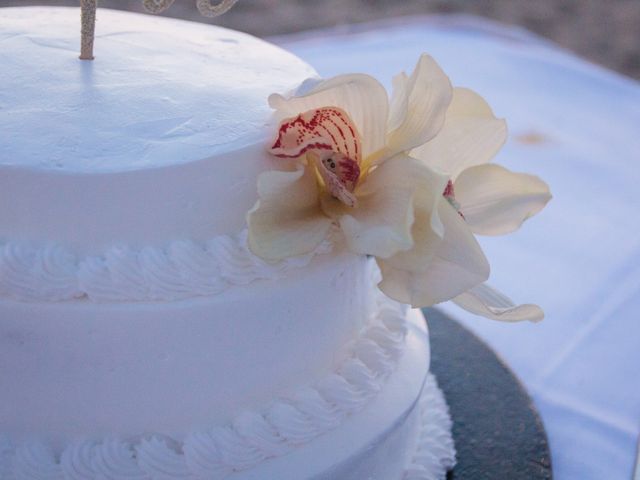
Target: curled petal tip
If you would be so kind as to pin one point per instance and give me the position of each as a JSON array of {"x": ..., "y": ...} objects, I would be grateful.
[{"x": 487, "y": 302}]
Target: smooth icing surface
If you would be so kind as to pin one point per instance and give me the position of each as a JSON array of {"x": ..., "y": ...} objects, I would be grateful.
[
  {"x": 160, "y": 138},
  {"x": 377, "y": 443},
  {"x": 322, "y": 431},
  {"x": 160, "y": 91},
  {"x": 90, "y": 214},
  {"x": 77, "y": 369}
]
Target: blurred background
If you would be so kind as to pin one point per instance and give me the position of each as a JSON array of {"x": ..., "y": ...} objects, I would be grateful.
[{"x": 605, "y": 32}]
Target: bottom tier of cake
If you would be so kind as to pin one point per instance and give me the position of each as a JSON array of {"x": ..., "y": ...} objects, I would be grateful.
[
  {"x": 380, "y": 416},
  {"x": 403, "y": 433}
]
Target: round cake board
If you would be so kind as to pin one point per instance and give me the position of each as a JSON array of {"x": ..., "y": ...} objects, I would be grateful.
[{"x": 497, "y": 431}]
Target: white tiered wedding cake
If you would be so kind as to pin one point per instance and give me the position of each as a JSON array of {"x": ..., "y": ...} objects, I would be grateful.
[{"x": 139, "y": 335}]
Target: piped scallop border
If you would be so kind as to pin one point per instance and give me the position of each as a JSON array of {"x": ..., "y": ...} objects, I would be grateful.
[
  {"x": 253, "y": 437},
  {"x": 435, "y": 452},
  {"x": 182, "y": 269}
]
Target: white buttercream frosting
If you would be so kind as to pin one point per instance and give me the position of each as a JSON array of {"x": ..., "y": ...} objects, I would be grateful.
[
  {"x": 182, "y": 270},
  {"x": 93, "y": 206},
  {"x": 160, "y": 92},
  {"x": 162, "y": 137},
  {"x": 435, "y": 452},
  {"x": 289, "y": 422},
  {"x": 159, "y": 457}
]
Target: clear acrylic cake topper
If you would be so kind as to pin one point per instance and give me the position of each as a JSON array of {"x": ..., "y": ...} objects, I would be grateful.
[{"x": 88, "y": 17}]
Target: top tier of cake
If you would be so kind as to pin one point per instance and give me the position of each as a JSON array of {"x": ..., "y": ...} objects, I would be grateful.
[
  {"x": 140, "y": 147},
  {"x": 161, "y": 92}
]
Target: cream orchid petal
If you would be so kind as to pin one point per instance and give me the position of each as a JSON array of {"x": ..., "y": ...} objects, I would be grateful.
[
  {"x": 457, "y": 265},
  {"x": 383, "y": 222},
  {"x": 425, "y": 244},
  {"x": 429, "y": 196},
  {"x": 427, "y": 229},
  {"x": 486, "y": 301},
  {"x": 380, "y": 224},
  {"x": 426, "y": 96},
  {"x": 495, "y": 201},
  {"x": 287, "y": 219},
  {"x": 403, "y": 170},
  {"x": 361, "y": 96},
  {"x": 399, "y": 104},
  {"x": 471, "y": 135}
]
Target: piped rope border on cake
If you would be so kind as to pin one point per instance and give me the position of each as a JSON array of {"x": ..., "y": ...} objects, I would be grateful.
[
  {"x": 183, "y": 269},
  {"x": 253, "y": 437}
]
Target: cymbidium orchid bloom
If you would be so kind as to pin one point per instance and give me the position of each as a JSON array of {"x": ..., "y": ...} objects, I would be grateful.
[
  {"x": 490, "y": 199},
  {"x": 393, "y": 178}
]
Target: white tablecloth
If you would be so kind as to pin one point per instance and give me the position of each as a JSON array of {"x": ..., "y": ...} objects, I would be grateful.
[{"x": 578, "y": 127}]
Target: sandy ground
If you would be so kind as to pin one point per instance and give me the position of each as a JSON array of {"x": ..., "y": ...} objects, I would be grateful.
[{"x": 606, "y": 32}]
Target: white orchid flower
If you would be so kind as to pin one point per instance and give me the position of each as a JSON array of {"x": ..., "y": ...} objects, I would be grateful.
[
  {"x": 351, "y": 158},
  {"x": 347, "y": 167},
  {"x": 491, "y": 199}
]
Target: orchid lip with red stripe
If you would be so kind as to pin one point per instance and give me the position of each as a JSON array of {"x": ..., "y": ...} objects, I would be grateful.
[
  {"x": 329, "y": 133},
  {"x": 330, "y": 126}
]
